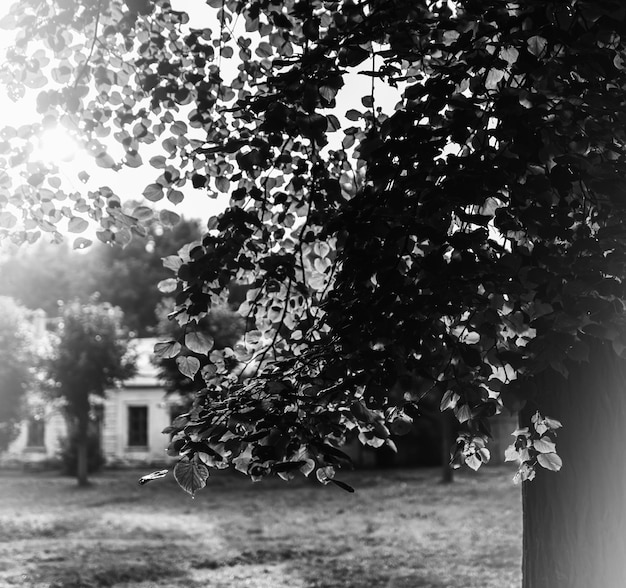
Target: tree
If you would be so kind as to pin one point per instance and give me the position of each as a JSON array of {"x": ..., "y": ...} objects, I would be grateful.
[
  {"x": 128, "y": 277},
  {"x": 467, "y": 242},
  {"x": 91, "y": 355},
  {"x": 43, "y": 275},
  {"x": 18, "y": 362},
  {"x": 47, "y": 274}
]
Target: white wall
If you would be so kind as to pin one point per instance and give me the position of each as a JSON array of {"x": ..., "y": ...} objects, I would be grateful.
[
  {"x": 115, "y": 426},
  {"x": 18, "y": 452}
]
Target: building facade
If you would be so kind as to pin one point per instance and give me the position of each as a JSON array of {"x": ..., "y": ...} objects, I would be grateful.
[{"x": 131, "y": 420}]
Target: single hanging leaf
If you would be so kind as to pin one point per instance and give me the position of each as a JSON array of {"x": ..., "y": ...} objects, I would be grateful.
[
  {"x": 188, "y": 366},
  {"x": 550, "y": 461},
  {"x": 191, "y": 475},
  {"x": 167, "y": 349},
  {"x": 199, "y": 342}
]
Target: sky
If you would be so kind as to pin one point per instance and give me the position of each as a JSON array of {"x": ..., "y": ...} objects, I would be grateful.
[{"x": 129, "y": 183}]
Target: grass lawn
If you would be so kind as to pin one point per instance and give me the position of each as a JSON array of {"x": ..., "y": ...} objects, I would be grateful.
[{"x": 401, "y": 529}]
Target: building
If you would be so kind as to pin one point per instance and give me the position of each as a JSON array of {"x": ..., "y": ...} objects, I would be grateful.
[
  {"x": 132, "y": 418},
  {"x": 135, "y": 414}
]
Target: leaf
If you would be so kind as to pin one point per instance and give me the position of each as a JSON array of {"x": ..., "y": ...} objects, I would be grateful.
[
  {"x": 191, "y": 476},
  {"x": 343, "y": 485},
  {"x": 105, "y": 160},
  {"x": 175, "y": 196},
  {"x": 493, "y": 77},
  {"x": 158, "y": 161},
  {"x": 169, "y": 218},
  {"x": 199, "y": 342},
  {"x": 473, "y": 461},
  {"x": 449, "y": 400},
  {"x": 511, "y": 453},
  {"x": 544, "y": 445},
  {"x": 153, "y": 192},
  {"x": 7, "y": 220},
  {"x": 143, "y": 213},
  {"x": 307, "y": 467},
  {"x": 222, "y": 184},
  {"x": 77, "y": 225},
  {"x": 167, "y": 349},
  {"x": 536, "y": 45},
  {"x": 133, "y": 160},
  {"x": 167, "y": 286},
  {"x": 172, "y": 262},
  {"x": 550, "y": 461},
  {"x": 153, "y": 476},
  {"x": 325, "y": 475},
  {"x": 188, "y": 365},
  {"x": 81, "y": 243}
]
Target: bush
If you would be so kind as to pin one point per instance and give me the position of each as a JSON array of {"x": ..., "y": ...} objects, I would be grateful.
[{"x": 69, "y": 454}]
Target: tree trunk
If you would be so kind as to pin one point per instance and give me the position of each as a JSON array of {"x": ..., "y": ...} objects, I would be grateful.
[
  {"x": 575, "y": 520},
  {"x": 81, "y": 450},
  {"x": 447, "y": 440}
]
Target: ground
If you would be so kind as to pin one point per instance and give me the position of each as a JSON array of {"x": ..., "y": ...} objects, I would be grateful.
[{"x": 400, "y": 529}]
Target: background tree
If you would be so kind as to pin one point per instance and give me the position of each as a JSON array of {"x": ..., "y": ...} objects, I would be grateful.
[
  {"x": 468, "y": 240},
  {"x": 44, "y": 275},
  {"x": 91, "y": 355},
  {"x": 128, "y": 277},
  {"x": 18, "y": 362},
  {"x": 47, "y": 273}
]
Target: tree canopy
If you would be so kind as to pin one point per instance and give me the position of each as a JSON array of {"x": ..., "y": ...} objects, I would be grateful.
[
  {"x": 90, "y": 355},
  {"x": 467, "y": 240},
  {"x": 18, "y": 364}
]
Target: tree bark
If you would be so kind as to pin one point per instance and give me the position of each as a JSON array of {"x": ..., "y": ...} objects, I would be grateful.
[
  {"x": 81, "y": 450},
  {"x": 447, "y": 434},
  {"x": 575, "y": 519}
]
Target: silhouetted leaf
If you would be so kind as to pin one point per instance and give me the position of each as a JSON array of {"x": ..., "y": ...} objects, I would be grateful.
[{"x": 191, "y": 475}]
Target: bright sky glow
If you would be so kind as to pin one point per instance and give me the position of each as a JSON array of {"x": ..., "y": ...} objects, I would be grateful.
[{"x": 56, "y": 144}]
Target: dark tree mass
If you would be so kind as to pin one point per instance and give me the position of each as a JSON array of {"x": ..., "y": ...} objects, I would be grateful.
[{"x": 468, "y": 240}]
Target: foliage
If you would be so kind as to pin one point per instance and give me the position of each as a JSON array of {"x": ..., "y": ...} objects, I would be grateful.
[
  {"x": 44, "y": 275},
  {"x": 223, "y": 326},
  {"x": 462, "y": 242},
  {"x": 90, "y": 355},
  {"x": 128, "y": 277},
  {"x": 18, "y": 359}
]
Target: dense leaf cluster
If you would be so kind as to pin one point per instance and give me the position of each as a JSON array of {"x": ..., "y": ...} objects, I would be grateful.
[{"x": 461, "y": 242}]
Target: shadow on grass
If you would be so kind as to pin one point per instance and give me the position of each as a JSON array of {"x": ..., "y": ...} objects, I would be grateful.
[{"x": 105, "y": 576}]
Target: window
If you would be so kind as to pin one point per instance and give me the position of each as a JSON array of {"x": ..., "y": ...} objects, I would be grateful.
[
  {"x": 137, "y": 426},
  {"x": 35, "y": 433}
]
